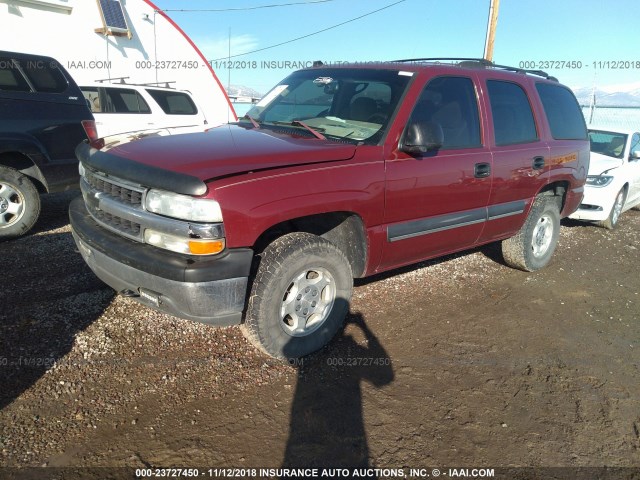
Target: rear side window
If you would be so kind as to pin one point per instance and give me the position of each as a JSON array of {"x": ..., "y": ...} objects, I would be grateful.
[
  {"x": 44, "y": 76},
  {"x": 451, "y": 102},
  {"x": 174, "y": 103},
  {"x": 11, "y": 78},
  {"x": 31, "y": 75},
  {"x": 92, "y": 97},
  {"x": 563, "y": 112},
  {"x": 512, "y": 116},
  {"x": 122, "y": 100}
]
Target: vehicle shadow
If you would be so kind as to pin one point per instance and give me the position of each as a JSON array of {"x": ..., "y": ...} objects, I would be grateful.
[
  {"x": 326, "y": 425},
  {"x": 48, "y": 295},
  {"x": 54, "y": 211}
]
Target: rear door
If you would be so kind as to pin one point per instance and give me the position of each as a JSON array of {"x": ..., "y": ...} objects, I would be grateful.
[
  {"x": 436, "y": 202},
  {"x": 520, "y": 157}
]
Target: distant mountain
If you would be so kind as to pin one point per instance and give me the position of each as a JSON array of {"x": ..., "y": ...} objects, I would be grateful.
[
  {"x": 242, "y": 91},
  {"x": 608, "y": 97}
]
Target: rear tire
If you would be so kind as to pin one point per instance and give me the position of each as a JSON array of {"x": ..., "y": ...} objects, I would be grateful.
[
  {"x": 532, "y": 247},
  {"x": 614, "y": 215},
  {"x": 299, "y": 297},
  {"x": 19, "y": 203}
]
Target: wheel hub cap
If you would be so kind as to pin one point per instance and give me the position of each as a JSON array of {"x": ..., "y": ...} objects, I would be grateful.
[
  {"x": 11, "y": 205},
  {"x": 542, "y": 236},
  {"x": 307, "y": 302}
]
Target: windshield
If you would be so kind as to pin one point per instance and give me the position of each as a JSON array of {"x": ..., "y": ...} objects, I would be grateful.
[
  {"x": 610, "y": 144},
  {"x": 345, "y": 104}
]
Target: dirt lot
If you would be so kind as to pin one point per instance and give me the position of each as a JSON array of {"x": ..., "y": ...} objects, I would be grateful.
[{"x": 458, "y": 362}]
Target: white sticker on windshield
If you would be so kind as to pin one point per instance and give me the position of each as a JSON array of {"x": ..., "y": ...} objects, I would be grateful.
[
  {"x": 323, "y": 80},
  {"x": 406, "y": 74},
  {"x": 266, "y": 100}
]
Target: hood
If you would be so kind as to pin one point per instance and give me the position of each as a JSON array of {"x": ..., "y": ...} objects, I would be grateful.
[
  {"x": 230, "y": 149},
  {"x": 599, "y": 164}
]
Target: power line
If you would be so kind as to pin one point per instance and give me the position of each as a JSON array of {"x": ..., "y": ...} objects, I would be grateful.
[
  {"x": 312, "y": 34},
  {"x": 257, "y": 7}
]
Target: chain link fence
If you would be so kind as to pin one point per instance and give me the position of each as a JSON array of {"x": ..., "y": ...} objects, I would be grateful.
[{"x": 613, "y": 117}]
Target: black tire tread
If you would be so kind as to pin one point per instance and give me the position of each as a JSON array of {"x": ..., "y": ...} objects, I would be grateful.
[
  {"x": 271, "y": 261},
  {"x": 514, "y": 248}
]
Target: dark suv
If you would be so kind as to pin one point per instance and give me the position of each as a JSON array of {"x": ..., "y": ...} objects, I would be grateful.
[
  {"x": 43, "y": 117},
  {"x": 336, "y": 173}
]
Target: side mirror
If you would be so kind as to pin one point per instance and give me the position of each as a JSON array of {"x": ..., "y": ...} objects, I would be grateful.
[
  {"x": 635, "y": 155},
  {"x": 420, "y": 137}
]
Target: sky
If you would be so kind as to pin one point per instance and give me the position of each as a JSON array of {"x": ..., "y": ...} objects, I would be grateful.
[{"x": 581, "y": 42}]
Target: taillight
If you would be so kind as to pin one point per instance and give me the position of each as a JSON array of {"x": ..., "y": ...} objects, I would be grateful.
[{"x": 92, "y": 134}]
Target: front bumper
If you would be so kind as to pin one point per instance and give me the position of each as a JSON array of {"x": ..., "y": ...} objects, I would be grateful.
[
  {"x": 205, "y": 289},
  {"x": 597, "y": 203}
]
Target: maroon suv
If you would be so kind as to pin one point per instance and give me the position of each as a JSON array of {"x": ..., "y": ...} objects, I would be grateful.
[{"x": 336, "y": 173}]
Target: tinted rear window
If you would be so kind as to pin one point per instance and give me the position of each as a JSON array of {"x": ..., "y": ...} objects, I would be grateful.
[
  {"x": 44, "y": 76},
  {"x": 563, "y": 112},
  {"x": 174, "y": 103},
  {"x": 121, "y": 100},
  {"x": 10, "y": 77},
  {"x": 512, "y": 116}
]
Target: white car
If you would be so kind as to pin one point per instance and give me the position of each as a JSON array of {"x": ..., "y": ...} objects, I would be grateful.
[
  {"x": 613, "y": 183},
  {"x": 125, "y": 108}
]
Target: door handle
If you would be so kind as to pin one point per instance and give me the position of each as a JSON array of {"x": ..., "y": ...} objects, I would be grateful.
[
  {"x": 482, "y": 170},
  {"x": 538, "y": 163}
]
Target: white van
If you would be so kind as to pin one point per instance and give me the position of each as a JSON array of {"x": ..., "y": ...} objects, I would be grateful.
[{"x": 124, "y": 108}]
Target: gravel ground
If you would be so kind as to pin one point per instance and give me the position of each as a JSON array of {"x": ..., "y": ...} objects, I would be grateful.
[{"x": 475, "y": 364}]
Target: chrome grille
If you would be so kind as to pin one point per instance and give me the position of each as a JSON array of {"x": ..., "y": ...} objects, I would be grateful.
[
  {"x": 114, "y": 190},
  {"x": 126, "y": 227}
]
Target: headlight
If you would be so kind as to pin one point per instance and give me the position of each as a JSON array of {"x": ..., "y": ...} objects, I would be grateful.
[
  {"x": 190, "y": 246},
  {"x": 599, "y": 180},
  {"x": 183, "y": 206}
]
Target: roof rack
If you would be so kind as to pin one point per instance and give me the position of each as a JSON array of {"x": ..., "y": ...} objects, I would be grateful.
[
  {"x": 123, "y": 81},
  {"x": 479, "y": 63}
]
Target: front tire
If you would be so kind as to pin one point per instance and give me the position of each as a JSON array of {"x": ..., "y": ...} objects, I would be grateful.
[
  {"x": 19, "y": 203},
  {"x": 532, "y": 247},
  {"x": 614, "y": 215},
  {"x": 299, "y": 297}
]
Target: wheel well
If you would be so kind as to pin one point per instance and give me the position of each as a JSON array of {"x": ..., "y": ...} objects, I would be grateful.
[
  {"x": 344, "y": 229},
  {"x": 24, "y": 165},
  {"x": 557, "y": 189}
]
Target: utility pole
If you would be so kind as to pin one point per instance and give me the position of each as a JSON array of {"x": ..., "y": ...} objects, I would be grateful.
[{"x": 491, "y": 29}]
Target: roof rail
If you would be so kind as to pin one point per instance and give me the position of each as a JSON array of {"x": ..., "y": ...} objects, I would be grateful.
[
  {"x": 123, "y": 81},
  {"x": 480, "y": 63},
  {"x": 111, "y": 80}
]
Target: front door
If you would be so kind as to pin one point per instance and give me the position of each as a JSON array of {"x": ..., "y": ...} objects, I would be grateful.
[{"x": 436, "y": 202}]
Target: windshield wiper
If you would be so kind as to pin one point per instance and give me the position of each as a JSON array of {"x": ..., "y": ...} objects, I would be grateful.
[
  {"x": 252, "y": 120},
  {"x": 300, "y": 123},
  {"x": 315, "y": 132}
]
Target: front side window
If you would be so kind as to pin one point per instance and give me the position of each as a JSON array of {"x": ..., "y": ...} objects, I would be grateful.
[
  {"x": 451, "y": 103},
  {"x": 342, "y": 103},
  {"x": 610, "y": 144},
  {"x": 635, "y": 142},
  {"x": 512, "y": 115}
]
